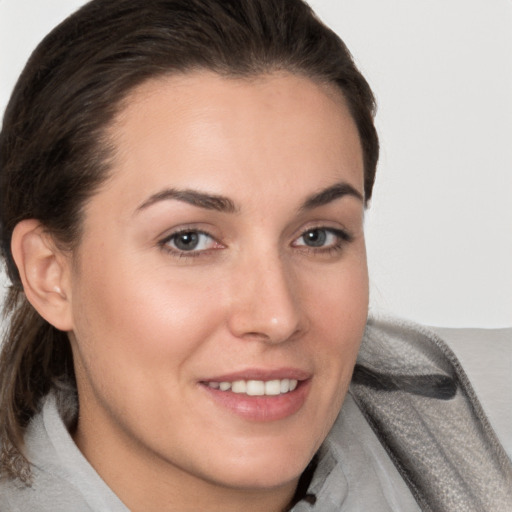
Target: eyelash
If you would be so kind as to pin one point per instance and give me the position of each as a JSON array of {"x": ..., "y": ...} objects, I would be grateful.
[
  {"x": 342, "y": 239},
  {"x": 176, "y": 252}
]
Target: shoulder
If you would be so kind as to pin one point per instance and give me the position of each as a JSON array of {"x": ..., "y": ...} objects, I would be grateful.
[
  {"x": 486, "y": 357},
  {"x": 481, "y": 358},
  {"x": 45, "y": 494},
  {"x": 62, "y": 479},
  {"x": 416, "y": 395}
]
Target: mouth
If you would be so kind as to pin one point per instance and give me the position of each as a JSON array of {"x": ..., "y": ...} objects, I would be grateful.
[
  {"x": 258, "y": 397},
  {"x": 274, "y": 387}
]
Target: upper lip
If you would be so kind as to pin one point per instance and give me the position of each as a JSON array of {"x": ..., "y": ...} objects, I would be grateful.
[{"x": 261, "y": 374}]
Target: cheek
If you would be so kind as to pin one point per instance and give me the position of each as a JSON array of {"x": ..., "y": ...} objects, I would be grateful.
[
  {"x": 338, "y": 316},
  {"x": 141, "y": 319},
  {"x": 338, "y": 310},
  {"x": 338, "y": 299}
]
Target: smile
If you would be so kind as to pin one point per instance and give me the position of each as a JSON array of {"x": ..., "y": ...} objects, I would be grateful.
[{"x": 273, "y": 387}]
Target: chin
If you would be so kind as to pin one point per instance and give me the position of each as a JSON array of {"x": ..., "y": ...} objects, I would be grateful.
[
  {"x": 259, "y": 479},
  {"x": 266, "y": 469}
]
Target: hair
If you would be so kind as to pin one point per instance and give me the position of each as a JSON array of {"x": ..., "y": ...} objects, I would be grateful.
[{"x": 54, "y": 152}]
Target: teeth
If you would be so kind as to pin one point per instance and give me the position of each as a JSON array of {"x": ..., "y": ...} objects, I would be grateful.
[
  {"x": 239, "y": 386},
  {"x": 257, "y": 387},
  {"x": 284, "y": 386},
  {"x": 223, "y": 386},
  {"x": 272, "y": 387}
]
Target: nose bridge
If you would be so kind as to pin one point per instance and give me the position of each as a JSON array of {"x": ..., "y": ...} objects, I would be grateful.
[{"x": 265, "y": 303}]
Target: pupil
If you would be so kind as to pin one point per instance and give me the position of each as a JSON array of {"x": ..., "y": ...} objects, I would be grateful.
[
  {"x": 187, "y": 241},
  {"x": 315, "y": 238}
]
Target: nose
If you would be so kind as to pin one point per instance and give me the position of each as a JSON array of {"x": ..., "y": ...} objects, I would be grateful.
[{"x": 265, "y": 302}]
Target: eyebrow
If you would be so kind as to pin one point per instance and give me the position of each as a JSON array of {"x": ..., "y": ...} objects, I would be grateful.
[
  {"x": 225, "y": 205},
  {"x": 193, "y": 197},
  {"x": 330, "y": 194}
]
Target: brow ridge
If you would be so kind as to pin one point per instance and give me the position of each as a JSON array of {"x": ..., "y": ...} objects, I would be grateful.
[
  {"x": 194, "y": 198},
  {"x": 224, "y": 204},
  {"x": 336, "y": 191}
]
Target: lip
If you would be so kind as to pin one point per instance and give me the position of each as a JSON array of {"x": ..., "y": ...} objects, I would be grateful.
[
  {"x": 260, "y": 408},
  {"x": 261, "y": 374}
]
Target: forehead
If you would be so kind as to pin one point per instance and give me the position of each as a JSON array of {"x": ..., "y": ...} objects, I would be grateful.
[{"x": 202, "y": 130}]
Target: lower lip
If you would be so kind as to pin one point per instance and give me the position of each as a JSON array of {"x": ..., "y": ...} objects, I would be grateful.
[{"x": 261, "y": 408}]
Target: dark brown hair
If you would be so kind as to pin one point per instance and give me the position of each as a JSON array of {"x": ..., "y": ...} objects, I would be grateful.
[{"x": 54, "y": 153}]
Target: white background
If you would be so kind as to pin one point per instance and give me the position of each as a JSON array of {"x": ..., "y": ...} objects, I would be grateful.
[{"x": 440, "y": 227}]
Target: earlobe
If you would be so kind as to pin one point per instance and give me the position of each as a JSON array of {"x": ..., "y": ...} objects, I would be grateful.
[{"x": 44, "y": 272}]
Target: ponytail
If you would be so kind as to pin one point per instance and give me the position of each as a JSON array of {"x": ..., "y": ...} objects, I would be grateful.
[{"x": 34, "y": 354}]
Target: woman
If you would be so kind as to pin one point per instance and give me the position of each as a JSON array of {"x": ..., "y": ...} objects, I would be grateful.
[{"x": 183, "y": 191}]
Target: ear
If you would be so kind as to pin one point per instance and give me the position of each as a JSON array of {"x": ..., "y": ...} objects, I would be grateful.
[{"x": 44, "y": 272}]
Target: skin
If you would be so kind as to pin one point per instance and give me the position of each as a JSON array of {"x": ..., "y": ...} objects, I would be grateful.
[{"x": 149, "y": 323}]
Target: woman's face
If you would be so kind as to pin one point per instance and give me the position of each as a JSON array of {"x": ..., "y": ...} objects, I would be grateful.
[{"x": 219, "y": 293}]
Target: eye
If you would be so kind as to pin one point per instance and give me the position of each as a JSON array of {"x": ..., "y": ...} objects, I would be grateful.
[
  {"x": 189, "y": 241},
  {"x": 322, "y": 238}
]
